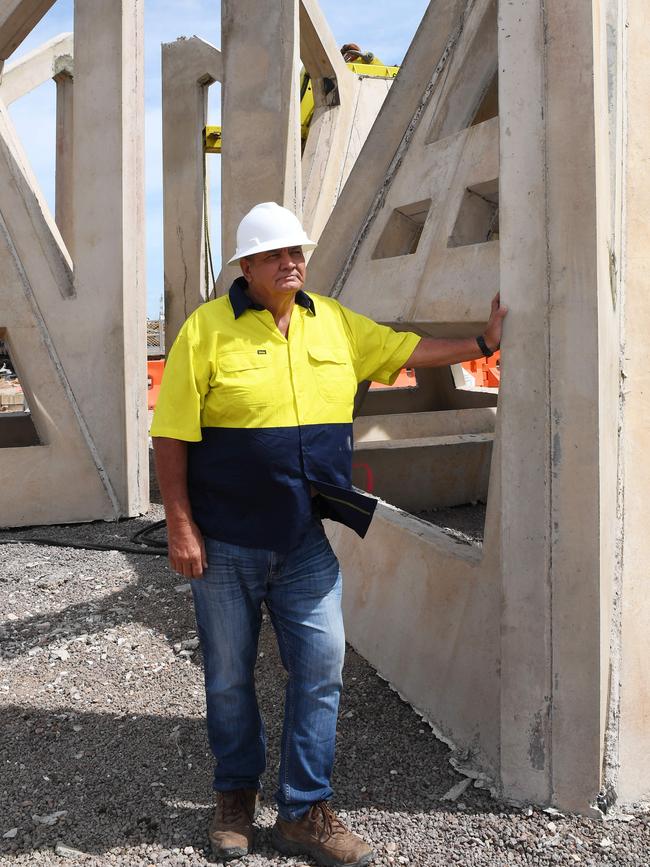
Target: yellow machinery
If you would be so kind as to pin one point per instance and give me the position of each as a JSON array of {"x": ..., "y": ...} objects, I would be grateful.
[{"x": 365, "y": 65}]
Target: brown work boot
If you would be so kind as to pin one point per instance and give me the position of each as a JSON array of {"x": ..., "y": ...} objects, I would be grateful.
[
  {"x": 323, "y": 836},
  {"x": 231, "y": 827}
]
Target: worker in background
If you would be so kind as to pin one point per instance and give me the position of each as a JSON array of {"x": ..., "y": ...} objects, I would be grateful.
[{"x": 253, "y": 441}]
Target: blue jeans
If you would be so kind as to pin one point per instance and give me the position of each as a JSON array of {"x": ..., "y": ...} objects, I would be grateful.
[{"x": 302, "y": 591}]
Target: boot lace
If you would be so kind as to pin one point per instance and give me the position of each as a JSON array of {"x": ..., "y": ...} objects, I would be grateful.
[{"x": 323, "y": 815}]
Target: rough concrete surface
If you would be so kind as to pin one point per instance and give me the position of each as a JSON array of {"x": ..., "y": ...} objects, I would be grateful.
[
  {"x": 466, "y": 523},
  {"x": 105, "y": 759}
]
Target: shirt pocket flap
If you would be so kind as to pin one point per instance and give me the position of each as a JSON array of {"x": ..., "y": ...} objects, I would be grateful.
[
  {"x": 235, "y": 362},
  {"x": 328, "y": 354}
]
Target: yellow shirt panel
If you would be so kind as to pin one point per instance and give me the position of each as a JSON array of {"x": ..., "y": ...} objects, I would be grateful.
[{"x": 242, "y": 373}]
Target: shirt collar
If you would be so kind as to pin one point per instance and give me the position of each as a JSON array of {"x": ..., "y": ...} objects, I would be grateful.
[{"x": 240, "y": 301}]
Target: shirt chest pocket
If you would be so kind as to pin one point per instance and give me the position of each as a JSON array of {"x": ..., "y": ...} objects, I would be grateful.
[
  {"x": 333, "y": 373},
  {"x": 245, "y": 379}
]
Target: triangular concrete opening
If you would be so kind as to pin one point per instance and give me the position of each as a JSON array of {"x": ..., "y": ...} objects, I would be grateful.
[{"x": 17, "y": 428}]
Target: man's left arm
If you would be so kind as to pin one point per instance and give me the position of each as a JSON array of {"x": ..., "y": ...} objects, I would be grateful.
[{"x": 442, "y": 351}]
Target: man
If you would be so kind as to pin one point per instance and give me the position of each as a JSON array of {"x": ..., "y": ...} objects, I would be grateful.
[{"x": 253, "y": 441}]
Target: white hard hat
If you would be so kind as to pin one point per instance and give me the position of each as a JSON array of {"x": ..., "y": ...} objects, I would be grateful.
[{"x": 269, "y": 227}]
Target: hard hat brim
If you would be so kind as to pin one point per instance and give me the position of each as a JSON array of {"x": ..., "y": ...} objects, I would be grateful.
[{"x": 274, "y": 244}]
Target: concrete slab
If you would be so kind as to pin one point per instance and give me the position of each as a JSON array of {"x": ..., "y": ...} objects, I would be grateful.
[
  {"x": 424, "y": 609},
  {"x": 380, "y": 428},
  {"x": 345, "y": 107}
]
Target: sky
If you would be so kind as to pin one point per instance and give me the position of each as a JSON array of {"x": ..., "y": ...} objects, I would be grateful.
[{"x": 384, "y": 27}]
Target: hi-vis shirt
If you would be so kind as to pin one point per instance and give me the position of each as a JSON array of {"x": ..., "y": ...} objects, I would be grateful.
[{"x": 267, "y": 418}]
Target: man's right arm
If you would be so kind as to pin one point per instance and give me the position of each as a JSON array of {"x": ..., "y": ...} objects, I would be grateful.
[{"x": 184, "y": 540}]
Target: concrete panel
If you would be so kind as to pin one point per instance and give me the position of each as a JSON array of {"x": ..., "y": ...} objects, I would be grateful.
[
  {"x": 109, "y": 241},
  {"x": 404, "y": 245},
  {"x": 17, "y": 20},
  {"x": 443, "y": 275},
  {"x": 260, "y": 111},
  {"x": 63, "y": 479},
  {"x": 189, "y": 67},
  {"x": 36, "y": 68},
  {"x": 423, "y": 71},
  {"x": 554, "y": 452},
  {"x": 632, "y": 674},
  {"x": 424, "y": 610}
]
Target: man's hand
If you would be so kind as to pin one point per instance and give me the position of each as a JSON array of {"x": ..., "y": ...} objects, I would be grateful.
[
  {"x": 186, "y": 549},
  {"x": 441, "y": 351},
  {"x": 492, "y": 334},
  {"x": 184, "y": 540}
]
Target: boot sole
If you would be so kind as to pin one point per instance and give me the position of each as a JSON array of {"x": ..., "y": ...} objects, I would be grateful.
[
  {"x": 288, "y": 847},
  {"x": 229, "y": 854}
]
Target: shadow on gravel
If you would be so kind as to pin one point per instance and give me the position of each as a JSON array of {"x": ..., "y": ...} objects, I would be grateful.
[
  {"x": 107, "y": 775},
  {"x": 151, "y": 601},
  {"x": 122, "y": 780}
]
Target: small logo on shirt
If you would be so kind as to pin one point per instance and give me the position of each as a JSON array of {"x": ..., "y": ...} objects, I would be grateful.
[{"x": 261, "y": 351}]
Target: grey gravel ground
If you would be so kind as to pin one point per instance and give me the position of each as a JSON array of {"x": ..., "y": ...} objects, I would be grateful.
[{"x": 105, "y": 759}]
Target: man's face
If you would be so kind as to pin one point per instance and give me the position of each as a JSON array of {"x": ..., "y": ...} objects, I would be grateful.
[{"x": 275, "y": 270}]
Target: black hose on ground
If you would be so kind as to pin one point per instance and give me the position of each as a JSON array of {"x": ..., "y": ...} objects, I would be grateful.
[{"x": 146, "y": 545}]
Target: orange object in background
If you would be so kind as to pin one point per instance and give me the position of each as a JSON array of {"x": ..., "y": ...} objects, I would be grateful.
[
  {"x": 405, "y": 379},
  {"x": 154, "y": 378},
  {"x": 485, "y": 371}
]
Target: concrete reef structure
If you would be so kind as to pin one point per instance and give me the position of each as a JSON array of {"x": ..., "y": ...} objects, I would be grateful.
[
  {"x": 511, "y": 153},
  {"x": 500, "y": 158},
  {"x": 75, "y": 324}
]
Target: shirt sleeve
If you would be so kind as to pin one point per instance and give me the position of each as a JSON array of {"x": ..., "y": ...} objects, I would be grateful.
[
  {"x": 379, "y": 352},
  {"x": 185, "y": 382}
]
